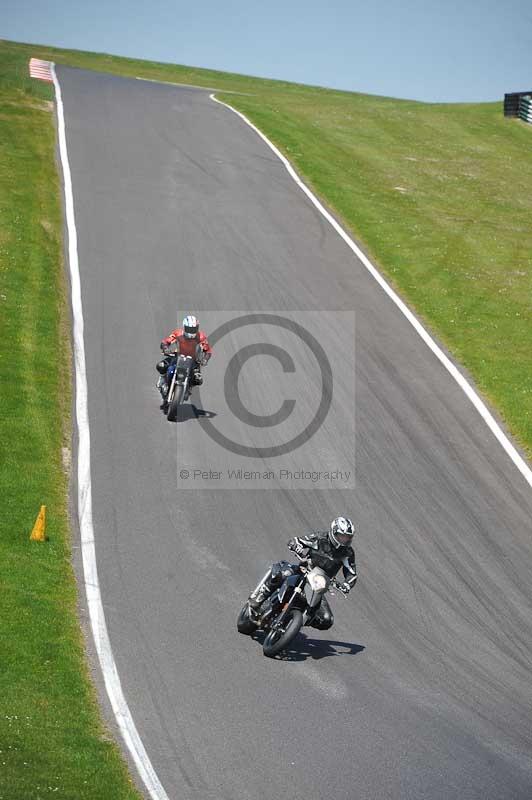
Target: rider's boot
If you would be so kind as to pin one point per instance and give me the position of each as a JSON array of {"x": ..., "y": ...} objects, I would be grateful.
[
  {"x": 322, "y": 618},
  {"x": 198, "y": 377},
  {"x": 257, "y": 598},
  {"x": 162, "y": 386}
]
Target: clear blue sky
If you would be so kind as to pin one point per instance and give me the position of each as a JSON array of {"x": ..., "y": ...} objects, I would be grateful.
[{"x": 457, "y": 50}]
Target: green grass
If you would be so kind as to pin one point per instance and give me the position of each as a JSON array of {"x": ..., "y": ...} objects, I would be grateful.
[
  {"x": 52, "y": 742},
  {"x": 440, "y": 196}
]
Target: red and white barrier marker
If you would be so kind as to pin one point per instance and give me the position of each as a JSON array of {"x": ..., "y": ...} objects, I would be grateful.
[{"x": 41, "y": 69}]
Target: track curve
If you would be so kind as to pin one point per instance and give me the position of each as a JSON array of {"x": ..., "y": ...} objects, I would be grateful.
[{"x": 422, "y": 687}]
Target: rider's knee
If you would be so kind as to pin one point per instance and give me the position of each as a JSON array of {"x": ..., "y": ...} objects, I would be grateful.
[
  {"x": 324, "y": 618},
  {"x": 327, "y": 620}
]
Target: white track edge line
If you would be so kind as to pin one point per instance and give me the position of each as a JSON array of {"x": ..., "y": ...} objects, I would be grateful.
[
  {"x": 480, "y": 406},
  {"x": 94, "y": 600}
]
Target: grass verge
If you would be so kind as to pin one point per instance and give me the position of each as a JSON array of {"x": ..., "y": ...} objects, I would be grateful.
[{"x": 52, "y": 742}]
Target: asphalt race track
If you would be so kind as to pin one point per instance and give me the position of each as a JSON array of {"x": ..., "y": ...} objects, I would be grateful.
[{"x": 422, "y": 689}]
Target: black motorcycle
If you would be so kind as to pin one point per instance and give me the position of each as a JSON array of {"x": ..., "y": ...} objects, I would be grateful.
[
  {"x": 294, "y": 604},
  {"x": 180, "y": 376}
]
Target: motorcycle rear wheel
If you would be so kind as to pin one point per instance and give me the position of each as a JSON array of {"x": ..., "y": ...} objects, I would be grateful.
[
  {"x": 176, "y": 402},
  {"x": 277, "y": 640},
  {"x": 244, "y": 623}
]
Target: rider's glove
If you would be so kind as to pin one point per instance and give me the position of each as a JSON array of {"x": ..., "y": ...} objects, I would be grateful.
[
  {"x": 298, "y": 549},
  {"x": 163, "y": 346}
]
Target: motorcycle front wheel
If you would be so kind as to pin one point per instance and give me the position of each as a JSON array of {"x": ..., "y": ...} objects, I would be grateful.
[
  {"x": 279, "y": 638},
  {"x": 177, "y": 399}
]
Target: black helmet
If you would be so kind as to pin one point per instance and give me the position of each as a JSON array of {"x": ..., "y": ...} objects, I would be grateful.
[{"x": 341, "y": 532}]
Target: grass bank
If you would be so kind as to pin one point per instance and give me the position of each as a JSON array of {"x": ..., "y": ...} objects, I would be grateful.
[{"x": 52, "y": 742}]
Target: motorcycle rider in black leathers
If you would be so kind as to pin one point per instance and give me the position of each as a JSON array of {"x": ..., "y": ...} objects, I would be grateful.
[{"x": 330, "y": 550}]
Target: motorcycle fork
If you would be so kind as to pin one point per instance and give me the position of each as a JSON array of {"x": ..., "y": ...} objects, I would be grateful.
[
  {"x": 170, "y": 395},
  {"x": 256, "y": 590},
  {"x": 286, "y": 607}
]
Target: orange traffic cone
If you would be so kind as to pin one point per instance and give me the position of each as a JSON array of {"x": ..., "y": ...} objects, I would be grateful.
[{"x": 38, "y": 532}]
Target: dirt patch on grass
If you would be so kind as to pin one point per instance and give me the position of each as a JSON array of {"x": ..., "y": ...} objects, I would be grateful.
[{"x": 48, "y": 227}]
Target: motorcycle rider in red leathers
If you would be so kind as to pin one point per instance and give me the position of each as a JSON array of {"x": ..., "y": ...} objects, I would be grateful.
[{"x": 189, "y": 337}]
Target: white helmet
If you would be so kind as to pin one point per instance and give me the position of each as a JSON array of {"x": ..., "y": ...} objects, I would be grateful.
[
  {"x": 341, "y": 532},
  {"x": 190, "y": 326}
]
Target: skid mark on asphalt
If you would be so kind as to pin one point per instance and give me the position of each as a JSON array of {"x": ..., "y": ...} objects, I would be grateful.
[
  {"x": 330, "y": 687},
  {"x": 211, "y": 565}
]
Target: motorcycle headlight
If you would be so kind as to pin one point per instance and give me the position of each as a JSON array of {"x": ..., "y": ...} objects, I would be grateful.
[{"x": 317, "y": 582}]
